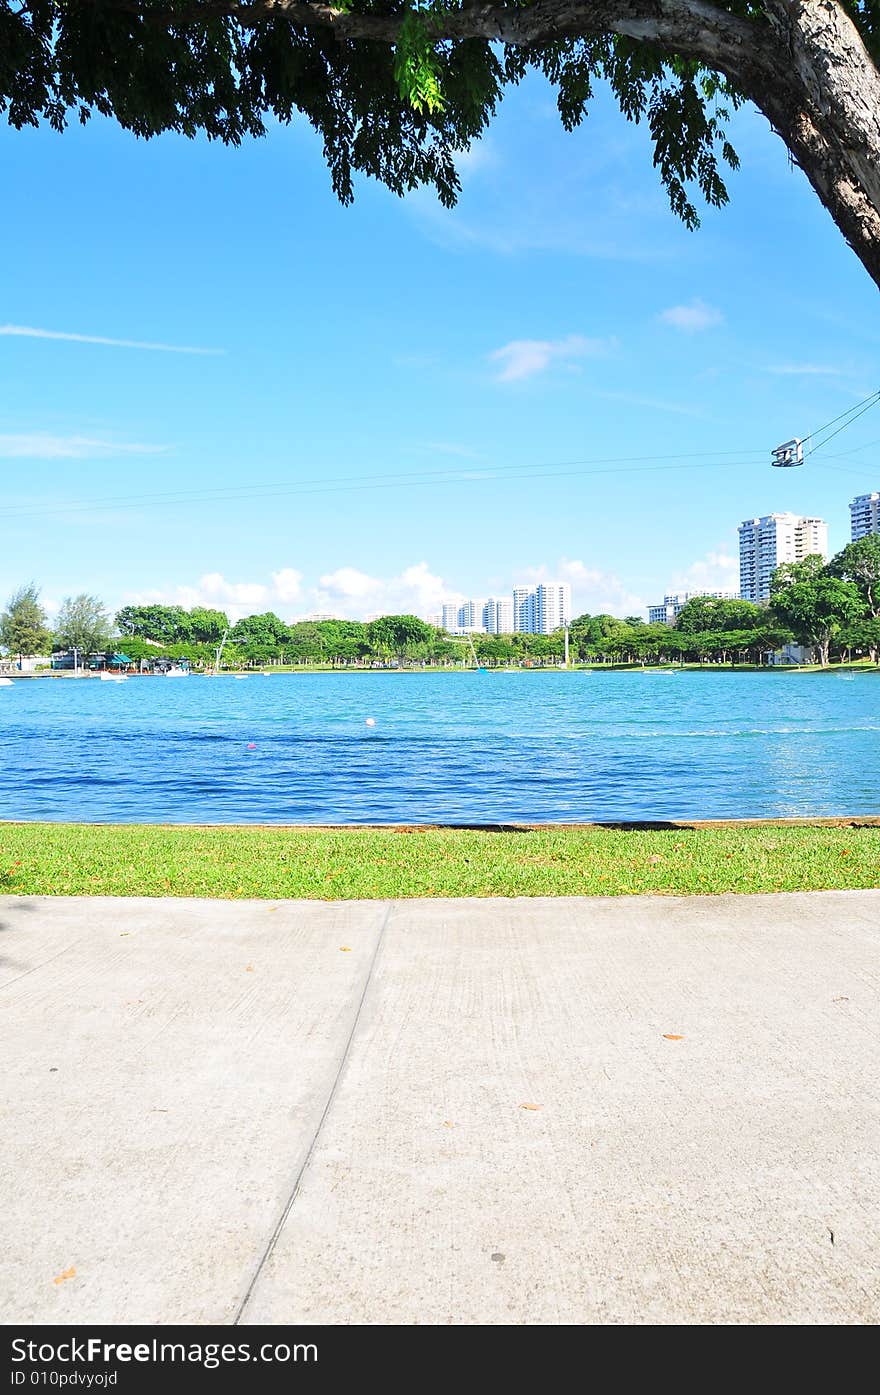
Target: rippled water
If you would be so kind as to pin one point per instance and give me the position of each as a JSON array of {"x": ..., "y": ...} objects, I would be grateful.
[{"x": 456, "y": 748}]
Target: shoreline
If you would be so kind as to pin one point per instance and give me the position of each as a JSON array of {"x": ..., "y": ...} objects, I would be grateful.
[{"x": 283, "y": 671}]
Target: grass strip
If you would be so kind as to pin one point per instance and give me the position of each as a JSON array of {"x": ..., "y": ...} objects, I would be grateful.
[{"x": 377, "y": 863}]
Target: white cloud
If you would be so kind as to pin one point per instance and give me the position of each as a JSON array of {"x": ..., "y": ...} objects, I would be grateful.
[
  {"x": 287, "y": 585},
  {"x": 651, "y": 404},
  {"x": 28, "y": 332},
  {"x": 593, "y": 591},
  {"x": 717, "y": 570},
  {"x": 447, "y": 448},
  {"x": 806, "y": 370},
  {"x": 345, "y": 592},
  {"x": 39, "y": 445},
  {"x": 524, "y": 358},
  {"x": 692, "y": 318},
  {"x": 213, "y": 591},
  {"x": 349, "y": 584},
  {"x": 354, "y": 594}
]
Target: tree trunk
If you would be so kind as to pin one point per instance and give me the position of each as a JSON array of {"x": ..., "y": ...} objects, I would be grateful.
[{"x": 825, "y": 103}]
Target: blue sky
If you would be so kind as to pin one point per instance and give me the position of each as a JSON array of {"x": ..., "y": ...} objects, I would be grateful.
[{"x": 559, "y": 326}]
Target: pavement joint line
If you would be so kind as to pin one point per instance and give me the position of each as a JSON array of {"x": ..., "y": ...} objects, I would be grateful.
[
  {"x": 331, "y": 1096},
  {"x": 42, "y": 964}
]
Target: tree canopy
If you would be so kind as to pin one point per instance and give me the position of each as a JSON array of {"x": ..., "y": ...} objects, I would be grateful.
[
  {"x": 859, "y": 562},
  {"x": 401, "y": 635},
  {"x": 814, "y": 603},
  {"x": 704, "y": 613},
  {"x": 396, "y": 88},
  {"x": 83, "y": 624},
  {"x": 23, "y": 624}
]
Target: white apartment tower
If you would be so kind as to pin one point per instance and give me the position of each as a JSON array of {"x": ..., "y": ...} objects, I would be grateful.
[
  {"x": 765, "y": 543},
  {"x": 552, "y": 608},
  {"x": 449, "y": 615},
  {"x": 865, "y": 515},
  {"x": 524, "y": 610},
  {"x": 470, "y": 615},
  {"x": 498, "y": 616}
]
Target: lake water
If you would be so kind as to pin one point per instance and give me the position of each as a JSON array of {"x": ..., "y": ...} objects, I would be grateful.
[{"x": 446, "y": 748}]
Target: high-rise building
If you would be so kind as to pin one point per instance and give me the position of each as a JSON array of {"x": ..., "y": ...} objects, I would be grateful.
[
  {"x": 541, "y": 609},
  {"x": 552, "y": 608},
  {"x": 669, "y": 611},
  {"x": 498, "y": 616},
  {"x": 865, "y": 515},
  {"x": 470, "y": 615},
  {"x": 523, "y": 610},
  {"x": 765, "y": 543},
  {"x": 449, "y": 615}
]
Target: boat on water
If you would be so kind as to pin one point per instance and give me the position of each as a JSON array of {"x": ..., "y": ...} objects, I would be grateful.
[
  {"x": 106, "y": 677},
  {"x": 6, "y": 683},
  {"x": 175, "y": 671}
]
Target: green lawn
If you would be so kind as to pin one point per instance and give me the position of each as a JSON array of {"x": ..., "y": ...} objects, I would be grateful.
[{"x": 150, "y": 860}]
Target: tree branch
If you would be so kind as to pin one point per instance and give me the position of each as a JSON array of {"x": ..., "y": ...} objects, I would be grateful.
[{"x": 692, "y": 28}]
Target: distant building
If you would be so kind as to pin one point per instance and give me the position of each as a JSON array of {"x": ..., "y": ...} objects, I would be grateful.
[
  {"x": 523, "y": 610},
  {"x": 436, "y": 620},
  {"x": 530, "y": 610},
  {"x": 766, "y": 543},
  {"x": 865, "y": 515},
  {"x": 669, "y": 611},
  {"x": 498, "y": 616},
  {"x": 552, "y": 608},
  {"x": 470, "y": 615},
  {"x": 29, "y": 663}
]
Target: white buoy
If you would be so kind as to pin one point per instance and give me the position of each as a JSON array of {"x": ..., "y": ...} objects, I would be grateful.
[{"x": 370, "y": 722}]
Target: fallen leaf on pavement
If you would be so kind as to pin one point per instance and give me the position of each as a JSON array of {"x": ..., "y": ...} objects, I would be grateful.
[
  {"x": 531, "y": 1106},
  {"x": 65, "y": 1274},
  {"x": 346, "y": 949},
  {"x": 671, "y": 1036}
]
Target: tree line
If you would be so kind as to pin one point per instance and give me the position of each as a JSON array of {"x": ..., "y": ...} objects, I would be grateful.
[{"x": 832, "y": 609}]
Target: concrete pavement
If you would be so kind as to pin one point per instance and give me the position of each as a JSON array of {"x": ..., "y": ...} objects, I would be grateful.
[{"x": 530, "y": 1111}]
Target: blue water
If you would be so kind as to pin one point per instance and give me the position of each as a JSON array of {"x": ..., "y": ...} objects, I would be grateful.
[{"x": 446, "y": 748}]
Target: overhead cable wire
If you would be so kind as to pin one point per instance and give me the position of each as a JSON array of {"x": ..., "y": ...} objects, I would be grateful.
[
  {"x": 351, "y": 483},
  {"x": 869, "y": 403}
]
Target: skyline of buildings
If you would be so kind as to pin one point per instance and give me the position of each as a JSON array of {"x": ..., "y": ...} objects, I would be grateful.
[
  {"x": 768, "y": 541},
  {"x": 530, "y": 610},
  {"x": 765, "y": 542}
]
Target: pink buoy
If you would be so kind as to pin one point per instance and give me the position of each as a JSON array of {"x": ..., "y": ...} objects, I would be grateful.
[{"x": 252, "y": 745}]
